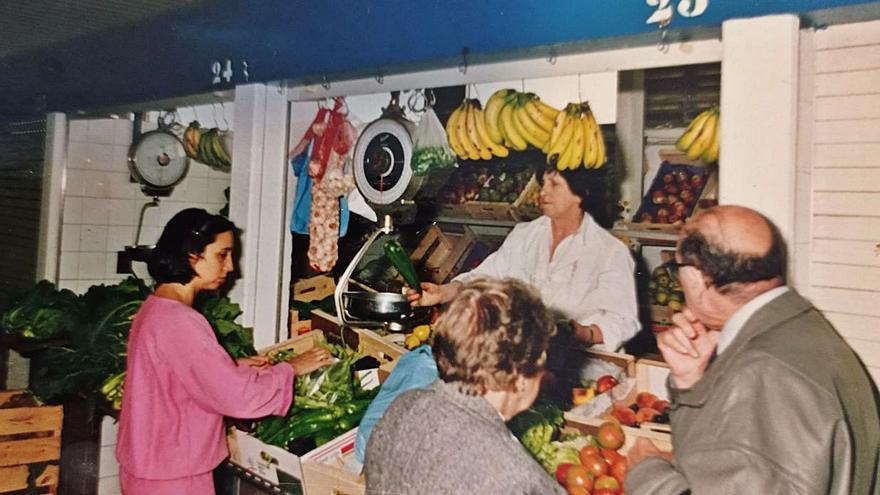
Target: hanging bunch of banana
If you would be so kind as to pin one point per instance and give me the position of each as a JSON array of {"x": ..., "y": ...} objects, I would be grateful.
[
  {"x": 469, "y": 136},
  {"x": 702, "y": 139},
  {"x": 209, "y": 146},
  {"x": 576, "y": 139}
]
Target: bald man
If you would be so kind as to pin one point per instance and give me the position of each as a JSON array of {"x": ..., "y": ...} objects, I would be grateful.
[{"x": 766, "y": 397}]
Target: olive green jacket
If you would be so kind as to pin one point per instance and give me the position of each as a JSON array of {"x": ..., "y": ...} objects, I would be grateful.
[{"x": 787, "y": 408}]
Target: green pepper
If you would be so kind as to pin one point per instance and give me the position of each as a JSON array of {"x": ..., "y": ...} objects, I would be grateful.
[{"x": 398, "y": 257}]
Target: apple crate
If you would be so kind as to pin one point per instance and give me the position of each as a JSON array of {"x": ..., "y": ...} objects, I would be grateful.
[
  {"x": 30, "y": 444},
  {"x": 522, "y": 209},
  {"x": 308, "y": 290},
  {"x": 438, "y": 252},
  {"x": 680, "y": 188},
  {"x": 365, "y": 340},
  {"x": 649, "y": 376}
]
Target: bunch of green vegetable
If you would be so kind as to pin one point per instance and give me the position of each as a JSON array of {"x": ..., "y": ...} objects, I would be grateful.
[
  {"x": 221, "y": 314},
  {"x": 327, "y": 402},
  {"x": 536, "y": 426},
  {"x": 41, "y": 313},
  {"x": 429, "y": 157}
]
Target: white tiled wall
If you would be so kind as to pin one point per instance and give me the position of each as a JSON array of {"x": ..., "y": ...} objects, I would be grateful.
[{"x": 100, "y": 217}]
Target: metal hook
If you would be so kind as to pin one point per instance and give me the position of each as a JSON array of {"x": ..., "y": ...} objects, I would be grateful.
[
  {"x": 214, "y": 113},
  {"x": 380, "y": 77},
  {"x": 663, "y": 44},
  {"x": 551, "y": 58},
  {"x": 463, "y": 66},
  {"x": 223, "y": 107},
  {"x": 325, "y": 83}
]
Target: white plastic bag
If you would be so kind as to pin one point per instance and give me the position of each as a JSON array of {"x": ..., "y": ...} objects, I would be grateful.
[{"x": 430, "y": 148}]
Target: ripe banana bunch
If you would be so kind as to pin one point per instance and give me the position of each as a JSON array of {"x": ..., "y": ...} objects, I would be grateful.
[
  {"x": 469, "y": 136},
  {"x": 702, "y": 138},
  {"x": 576, "y": 139},
  {"x": 207, "y": 146},
  {"x": 112, "y": 389}
]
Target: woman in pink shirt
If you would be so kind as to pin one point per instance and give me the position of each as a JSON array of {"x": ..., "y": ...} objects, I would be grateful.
[{"x": 181, "y": 382}]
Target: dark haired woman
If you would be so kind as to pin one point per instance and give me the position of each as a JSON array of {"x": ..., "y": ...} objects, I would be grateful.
[
  {"x": 181, "y": 382},
  {"x": 490, "y": 346},
  {"x": 582, "y": 272}
]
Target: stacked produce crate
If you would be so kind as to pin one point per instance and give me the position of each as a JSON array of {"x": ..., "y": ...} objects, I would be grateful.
[{"x": 30, "y": 444}]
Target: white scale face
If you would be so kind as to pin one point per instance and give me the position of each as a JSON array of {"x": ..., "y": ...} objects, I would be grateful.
[
  {"x": 381, "y": 161},
  {"x": 158, "y": 160}
]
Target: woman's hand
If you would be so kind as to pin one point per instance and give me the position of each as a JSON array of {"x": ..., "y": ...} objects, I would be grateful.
[
  {"x": 588, "y": 334},
  {"x": 432, "y": 294},
  {"x": 312, "y": 359},
  {"x": 258, "y": 362}
]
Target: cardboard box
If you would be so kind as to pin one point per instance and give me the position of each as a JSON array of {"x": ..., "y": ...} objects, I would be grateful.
[
  {"x": 334, "y": 471},
  {"x": 30, "y": 438}
]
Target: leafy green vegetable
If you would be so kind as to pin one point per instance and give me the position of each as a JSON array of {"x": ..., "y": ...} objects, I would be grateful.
[
  {"x": 42, "y": 313},
  {"x": 536, "y": 426},
  {"x": 426, "y": 158},
  {"x": 221, "y": 314}
]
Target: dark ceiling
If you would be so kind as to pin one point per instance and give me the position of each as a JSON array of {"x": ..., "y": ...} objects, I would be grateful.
[{"x": 84, "y": 54}]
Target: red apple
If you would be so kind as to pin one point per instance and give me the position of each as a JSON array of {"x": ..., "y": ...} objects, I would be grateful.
[
  {"x": 646, "y": 217},
  {"x": 668, "y": 178},
  {"x": 670, "y": 189},
  {"x": 658, "y": 198},
  {"x": 673, "y": 217},
  {"x": 681, "y": 176},
  {"x": 645, "y": 399},
  {"x": 605, "y": 383},
  {"x": 625, "y": 415},
  {"x": 678, "y": 207},
  {"x": 662, "y": 213},
  {"x": 697, "y": 180},
  {"x": 660, "y": 405}
]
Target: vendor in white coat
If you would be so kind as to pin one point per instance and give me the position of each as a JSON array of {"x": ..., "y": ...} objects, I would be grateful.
[{"x": 582, "y": 272}]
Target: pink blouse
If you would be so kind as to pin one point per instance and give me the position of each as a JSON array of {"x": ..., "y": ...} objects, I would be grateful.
[{"x": 180, "y": 384}]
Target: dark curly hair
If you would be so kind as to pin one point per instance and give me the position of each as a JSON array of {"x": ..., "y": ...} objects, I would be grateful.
[
  {"x": 725, "y": 267},
  {"x": 493, "y": 332},
  {"x": 185, "y": 235},
  {"x": 588, "y": 184}
]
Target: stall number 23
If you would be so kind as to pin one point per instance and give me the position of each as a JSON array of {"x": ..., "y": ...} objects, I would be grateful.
[
  {"x": 223, "y": 71},
  {"x": 686, "y": 8}
]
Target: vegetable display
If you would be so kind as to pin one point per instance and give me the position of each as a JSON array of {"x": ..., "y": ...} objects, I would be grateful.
[{"x": 40, "y": 314}]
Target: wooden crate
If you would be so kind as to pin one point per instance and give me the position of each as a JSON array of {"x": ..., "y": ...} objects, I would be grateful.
[
  {"x": 649, "y": 376},
  {"x": 662, "y": 441},
  {"x": 333, "y": 473},
  {"x": 366, "y": 341},
  {"x": 308, "y": 290},
  {"x": 519, "y": 211},
  {"x": 30, "y": 440},
  {"x": 438, "y": 252}
]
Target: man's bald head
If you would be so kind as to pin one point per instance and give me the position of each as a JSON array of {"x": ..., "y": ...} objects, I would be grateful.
[
  {"x": 735, "y": 228},
  {"x": 734, "y": 245}
]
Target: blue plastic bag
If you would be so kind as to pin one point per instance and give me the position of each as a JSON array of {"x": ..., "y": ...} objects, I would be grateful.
[
  {"x": 302, "y": 204},
  {"x": 415, "y": 369}
]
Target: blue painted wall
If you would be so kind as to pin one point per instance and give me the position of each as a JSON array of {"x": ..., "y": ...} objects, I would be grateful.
[{"x": 303, "y": 40}]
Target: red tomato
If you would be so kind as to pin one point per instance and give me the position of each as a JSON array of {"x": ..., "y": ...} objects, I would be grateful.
[
  {"x": 588, "y": 450},
  {"x": 561, "y": 470},
  {"x": 578, "y": 476},
  {"x": 612, "y": 456},
  {"x": 605, "y": 491},
  {"x": 618, "y": 470},
  {"x": 610, "y": 435},
  {"x": 595, "y": 464},
  {"x": 577, "y": 490}
]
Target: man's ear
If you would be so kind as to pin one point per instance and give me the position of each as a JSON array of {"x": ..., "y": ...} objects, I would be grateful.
[{"x": 519, "y": 384}]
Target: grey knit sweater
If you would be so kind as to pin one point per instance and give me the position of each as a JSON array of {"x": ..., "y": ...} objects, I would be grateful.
[{"x": 442, "y": 441}]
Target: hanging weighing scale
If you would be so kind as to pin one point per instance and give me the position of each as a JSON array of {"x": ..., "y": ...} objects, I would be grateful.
[{"x": 158, "y": 161}]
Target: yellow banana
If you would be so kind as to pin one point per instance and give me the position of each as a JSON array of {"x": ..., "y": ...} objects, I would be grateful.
[
  {"x": 461, "y": 132},
  {"x": 591, "y": 147},
  {"x": 558, "y": 123},
  {"x": 577, "y": 143},
  {"x": 693, "y": 130},
  {"x": 600, "y": 140},
  {"x": 493, "y": 147},
  {"x": 471, "y": 125},
  {"x": 452, "y": 133},
  {"x": 554, "y": 155},
  {"x": 493, "y": 111},
  {"x": 533, "y": 134},
  {"x": 702, "y": 142},
  {"x": 544, "y": 122},
  {"x": 507, "y": 121},
  {"x": 567, "y": 155},
  {"x": 713, "y": 151},
  {"x": 546, "y": 109}
]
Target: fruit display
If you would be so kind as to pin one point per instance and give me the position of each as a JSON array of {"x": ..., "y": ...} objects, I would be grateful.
[
  {"x": 647, "y": 408},
  {"x": 664, "y": 289},
  {"x": 593, "y": 463},
  {"x": 212, "y": 147},
  {"x": 469, "y": 183},
  {"x": 702, "y": 138},
  {"x": 576, "y": 139},
  {"x": 673, "y": 194},
  {"x": 417, "y": 337}
]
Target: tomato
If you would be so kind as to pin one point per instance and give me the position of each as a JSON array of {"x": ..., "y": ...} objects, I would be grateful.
[
  {"x": 645, "y": 399},
  {"x": 588, "y": 450},
  {"x": 577, "y": 490},
  {"x": 605, "y": 491},
  {"x": 618, "y": 470},
  {"x": 646, "y": 414},
  {"x": 578, "y": 476},
  {"x": 610, "y": 435},
  {"x": 608, "y": 482},
  {"x": 612, "y": 456},
  {"x": 561, "y": 469},
  {"x": 595, "y": 464}
]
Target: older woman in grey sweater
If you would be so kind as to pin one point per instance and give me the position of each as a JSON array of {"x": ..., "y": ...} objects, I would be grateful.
[{"x": 451, "y": 438}]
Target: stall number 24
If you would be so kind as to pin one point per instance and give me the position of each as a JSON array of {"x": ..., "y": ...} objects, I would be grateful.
[
  {"x": 223, "y": 71},
  {"x": 686, "y": 8}
]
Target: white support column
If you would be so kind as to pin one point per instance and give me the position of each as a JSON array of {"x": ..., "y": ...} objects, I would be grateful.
[
  {"x": 54, "y": 162},
  {"x": 759, "y": 91},
  {"x": 630, "y": 137},
  {"x": 257, "y": 205}
]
